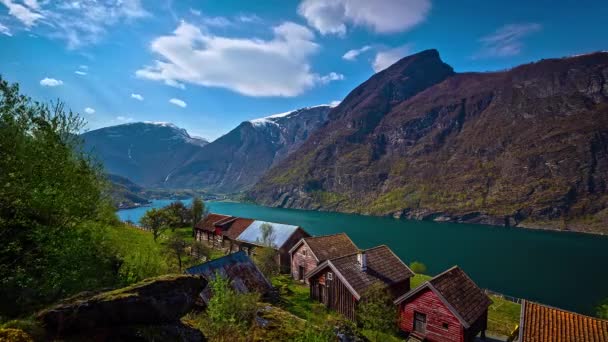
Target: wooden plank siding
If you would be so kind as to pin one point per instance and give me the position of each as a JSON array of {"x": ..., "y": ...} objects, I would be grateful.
[
  {"x": 436, "y": 313},
  {"x": 284, "y": 256},
  {"x": 303, "y": 257},
  {"x": 333, "y": 294}
]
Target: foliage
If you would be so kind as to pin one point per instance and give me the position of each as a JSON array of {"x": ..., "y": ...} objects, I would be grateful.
[
  {"x": 178, "y": 215},
  {"x": 601, "y": 310},
  {"x": 200, "y": 250},
  {"x": 198, "y": 210},
  {"x": 228, "y": 310},
  {"x": 376, "y": 311},
  {"x": 14, "y": 335},
  {"x": 156, "y": 221},
  {"x": 49, "y": 192},
  {"x": 176, "y": 248},
  {"x": 268, "y": 235},
  {"x": 266, "y": 260},
  {"x": 418, "y": 267}
]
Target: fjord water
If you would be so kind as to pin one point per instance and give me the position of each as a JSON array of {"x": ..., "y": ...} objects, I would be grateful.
[{"x": 562, "y": 269}]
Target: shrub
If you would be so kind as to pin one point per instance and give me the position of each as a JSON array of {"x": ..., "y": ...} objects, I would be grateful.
[{"x": 418, "y": 267}]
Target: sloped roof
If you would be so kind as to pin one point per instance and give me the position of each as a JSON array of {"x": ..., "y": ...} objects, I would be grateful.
[
  {"x": 253, "y": 233},
  {"x": 236, "y": 227},
  {"x": 541, "y": 323},
  {"x": 243, "y": 273},
  {"x": 329, "y": 246},
  {"x": 208, "y": 223},
  {"x": 458, "y": 292},
  {"x": 383, "y": 266}
]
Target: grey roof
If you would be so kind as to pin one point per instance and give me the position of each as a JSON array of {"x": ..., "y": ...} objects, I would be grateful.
[{"x": 253, "y": 233}]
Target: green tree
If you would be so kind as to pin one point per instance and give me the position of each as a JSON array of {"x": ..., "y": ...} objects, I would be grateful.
[
  {"x": 376, "y": 311},
  {"x": 50, "y": 192},
  {"x": 179, "y": 215},
  {"x": 198, "y": 210},
  {"x": 176, "y": 247},
  {"x": 268, "y": 235},
  {"x": 266, "y": 260},
  {"x": 418, "y": 267},
  {"x": 200, "y": 250},
  {"x": 601, "y": 310},
  {"x": 156, "y": 221}
]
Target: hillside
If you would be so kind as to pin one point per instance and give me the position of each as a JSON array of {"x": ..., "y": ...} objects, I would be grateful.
[
  {"x": 237, "y": 160},
  {"x": 144, "y": 152},
  {"x": 523, "y": 147},
  {"x": 126, "y": 194}
]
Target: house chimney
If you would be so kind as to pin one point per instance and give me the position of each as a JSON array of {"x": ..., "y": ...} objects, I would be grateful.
[{"x": 362, "y": 260}]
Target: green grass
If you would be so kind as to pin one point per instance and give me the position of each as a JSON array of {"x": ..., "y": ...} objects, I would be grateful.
[
  {"x": 295, "y": 296},
  {"x": 503, "y": 315},
  {"x": 380, "y": 336}
]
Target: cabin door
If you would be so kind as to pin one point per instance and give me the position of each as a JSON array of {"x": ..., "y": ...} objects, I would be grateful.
[
  {"x": 321, "y": 293},
  {"x": 300, "y": 273},
  {"x": 419, "y": 322}
]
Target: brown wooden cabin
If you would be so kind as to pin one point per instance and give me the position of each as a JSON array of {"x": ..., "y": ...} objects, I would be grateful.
[
  {"x": 449, "y": 307},
  {"x": 340, "y": 283},
  {"x": 233, "y": 234},
  {"x": 309, "y": 252},
  {"x": 543, "y": 323}
]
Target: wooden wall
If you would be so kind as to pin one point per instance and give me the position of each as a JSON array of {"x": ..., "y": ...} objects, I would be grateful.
[
  {"x": 437, "y": 314},
  {"x": 308, "y": 261},
  {"x": 284, "y": 257},
  {"x": 335, "y": 295}
]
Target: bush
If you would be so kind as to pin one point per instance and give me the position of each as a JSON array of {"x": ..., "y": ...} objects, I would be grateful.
[
  {"x": 376, "y": 311},
  {"x": 418, "y": 267},
  {"x": 266, "y": 260}
]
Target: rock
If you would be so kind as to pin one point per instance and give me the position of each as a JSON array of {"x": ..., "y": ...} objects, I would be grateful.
[
  {"x": 155, "y": 302},
  {"x": 14, "y": 335}
]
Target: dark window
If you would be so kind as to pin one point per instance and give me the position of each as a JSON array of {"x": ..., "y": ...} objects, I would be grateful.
[
  {"x": 330, "y": 276},
  {"x": 445, "y": 326},
  {"x": 304, "y": 252},
  {"x": 420, "y": 322}
]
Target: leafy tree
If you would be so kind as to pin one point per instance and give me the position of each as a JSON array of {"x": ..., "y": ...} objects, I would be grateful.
[
  {"x": 601, "y": 310},
  {"x": 179, "y": 214},
  {"x": 268, "y": 236},
  {"x": 156, "y": 220},
  {"x": 418, "y": 267},
  {"x": 230, "y": 311},
  {"x": 176, "y": 247},
  {"x": 50, "y": 191},
  {"x": 198, "y": 210},
  {"x": 266, "y": 260},
  {"x": 200, "y": 250},
  {"x": 376, "y": 311}
]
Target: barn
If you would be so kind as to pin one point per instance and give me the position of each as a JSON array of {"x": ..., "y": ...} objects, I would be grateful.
[
  {"x": 449, "y": 307},
  {"x": 341, "y": 282}
]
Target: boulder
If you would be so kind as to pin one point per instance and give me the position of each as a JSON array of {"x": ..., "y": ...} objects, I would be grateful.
[{"x": 153, "y": 302}]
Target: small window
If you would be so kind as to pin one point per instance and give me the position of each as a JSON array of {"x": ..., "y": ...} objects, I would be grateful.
[
  {"x": 445, "y": 326},
  {"x": 304, "y": 252},
  {"x": 330, "y": 276}
]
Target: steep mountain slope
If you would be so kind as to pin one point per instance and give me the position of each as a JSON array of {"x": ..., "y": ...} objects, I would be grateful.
[
  {"x": 238, "y": 159},
  {"x": 143, "y": 152},
  {"x": 126, "y": 194},
  {"x": 527, "y": 146}
]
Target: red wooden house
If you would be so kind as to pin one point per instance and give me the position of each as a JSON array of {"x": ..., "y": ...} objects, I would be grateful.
[
  {"x": 340, "y": 283},
  {"x": 309, "y": 252},
  {"x": 449, "y": 307}
]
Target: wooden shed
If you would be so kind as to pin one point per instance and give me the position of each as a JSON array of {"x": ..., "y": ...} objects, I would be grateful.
[
  {"x": 341, "y": 282},
  {"x": 449, "y": 307}
]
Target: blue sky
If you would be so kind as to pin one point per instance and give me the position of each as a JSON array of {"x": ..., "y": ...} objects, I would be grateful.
[{"x": 208, "y": 65}]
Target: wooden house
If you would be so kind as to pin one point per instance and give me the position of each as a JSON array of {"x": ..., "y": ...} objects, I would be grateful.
[
  {"x": 244, "y": 275},
  {"x": 541, "y": 323},
  {"x": 233, "y": 234},
  {"x": 309, "y": 252},
  {"x": 449, "y": 307},
  {"x": 341, "y": 282}
]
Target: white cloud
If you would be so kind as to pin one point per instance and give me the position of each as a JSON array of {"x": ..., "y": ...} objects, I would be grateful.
[
  {"x": 89, "y": 110},
  {"x": 351, "y": 55},
  {"x": 386, "y": 58},
  {"x": 5, "y": 30},
  {"x": 124, "y": 119},
  {"x": 382, "y": 16},
  {"x": 137, "y": 97},
  {"x": 332, "y": 76},
  {"x": 253, "y": 67},
  {"x": 506, "y": 41},
  {"x": 25, "y": 14},
  {"x": 83, "y": 67},
  {"x": 50, "y": 82},
  {"x": 81, "y": 73},
  {"x": 76, "y": 22},
  {"x": 178, "y": 102},
  {"x": 249, "y": 18}
]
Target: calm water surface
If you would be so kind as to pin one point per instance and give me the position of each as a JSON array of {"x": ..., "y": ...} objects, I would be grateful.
[{"x": 566, "y": 270}]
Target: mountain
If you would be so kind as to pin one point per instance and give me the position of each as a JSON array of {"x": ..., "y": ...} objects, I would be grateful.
[
  {"x": 126, "y": 194},
  {"x": 236, "y": 161},
  {"x": 521, "y": 147},
  {"x": 144, "y": 152}
]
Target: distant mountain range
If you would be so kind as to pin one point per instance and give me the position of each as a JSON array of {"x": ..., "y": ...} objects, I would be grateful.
[{"x": 523, "y": 147}]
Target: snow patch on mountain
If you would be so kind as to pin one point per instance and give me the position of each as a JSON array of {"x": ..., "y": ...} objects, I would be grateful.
[{"x": 271, "y": 119}]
